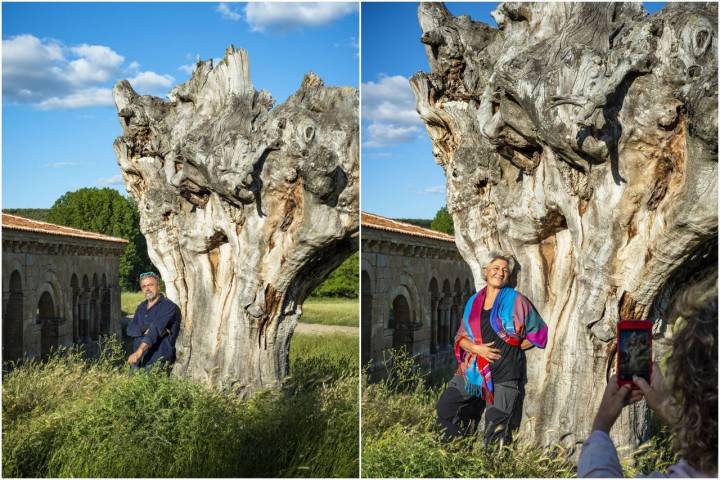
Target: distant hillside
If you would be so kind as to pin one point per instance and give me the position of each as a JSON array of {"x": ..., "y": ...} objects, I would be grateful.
[
  {"x": 420, "y": 222},
  {"x": 31, "y": 213}
]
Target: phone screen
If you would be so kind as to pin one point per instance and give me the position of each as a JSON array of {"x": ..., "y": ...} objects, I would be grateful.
[{"x": 635, "y": 354}]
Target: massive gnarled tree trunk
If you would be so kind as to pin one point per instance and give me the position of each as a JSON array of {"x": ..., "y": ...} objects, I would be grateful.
[
  {"x": 245, "y": 208},
  {"x": 582, "y": 138}
]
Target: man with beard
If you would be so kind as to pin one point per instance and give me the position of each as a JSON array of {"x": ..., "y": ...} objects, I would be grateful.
[{"x": 154, "y": 327}]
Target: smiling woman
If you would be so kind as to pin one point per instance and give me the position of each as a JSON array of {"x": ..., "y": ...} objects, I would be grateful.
[{"x": 498, "y": 324}]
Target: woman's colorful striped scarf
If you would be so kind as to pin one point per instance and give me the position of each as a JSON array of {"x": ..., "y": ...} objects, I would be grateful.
[{"x": 513, "y": 318}]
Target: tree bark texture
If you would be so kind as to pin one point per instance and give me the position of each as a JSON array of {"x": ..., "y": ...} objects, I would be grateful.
[
  {"x": 581, "y": 138},
  {"x": 245, "y": 208}
]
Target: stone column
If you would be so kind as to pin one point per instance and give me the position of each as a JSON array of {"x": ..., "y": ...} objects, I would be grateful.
[{"x": 434, "y": 301}]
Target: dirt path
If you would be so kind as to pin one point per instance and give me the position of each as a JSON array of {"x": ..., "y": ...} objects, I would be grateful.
[{"x": 318, "y": 329}]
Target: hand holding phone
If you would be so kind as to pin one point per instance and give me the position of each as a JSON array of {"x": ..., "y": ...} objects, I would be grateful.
[
  {"x": 634, "y": 357},
  {"x": 656, "y": 395}
]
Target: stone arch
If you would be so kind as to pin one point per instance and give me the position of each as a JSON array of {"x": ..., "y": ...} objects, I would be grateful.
[
  {"x": 54, "y": 286},
  {"x": 408, "y": 282},
  {"x": 12, "y": 344},
  {"x": 10, "y": 268},
  {"x": 48, "y": 319},
  {"x": 366, "y": 317},
  {"x": 401, "y": 321},
  {"x": 400, "y": 290},
  {"x": 468, "y": 292}
]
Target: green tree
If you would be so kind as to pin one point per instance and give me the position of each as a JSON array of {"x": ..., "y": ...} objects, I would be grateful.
[
  {"x": 31, "y": 213},
  {"x": 343, "y": 281},
  {"x": 443, "y": 222},
  {"x": 104, "y": 210}
]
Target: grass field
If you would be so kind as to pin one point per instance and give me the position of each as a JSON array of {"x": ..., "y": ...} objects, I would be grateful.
[
  {"x": 331, "y": 311},
  {"x": 129, "y": 302},
  {"x": 401, "y": 438},
  {"x": 326, "y": 311},
  {"x": 72, "y": 417}
]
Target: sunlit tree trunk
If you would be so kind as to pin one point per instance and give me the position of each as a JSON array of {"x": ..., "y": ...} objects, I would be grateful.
[
  {"x": 582, "y": 138},
  {"x": 245, "y": 208}
]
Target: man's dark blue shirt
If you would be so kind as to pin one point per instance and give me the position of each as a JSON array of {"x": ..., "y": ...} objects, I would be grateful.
[{"x": 158, "y": 327}]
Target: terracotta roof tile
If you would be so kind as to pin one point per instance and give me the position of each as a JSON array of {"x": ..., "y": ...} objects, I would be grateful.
[
  {"x": 370, "y": 220},
  {"x": 13, "y": 222}
]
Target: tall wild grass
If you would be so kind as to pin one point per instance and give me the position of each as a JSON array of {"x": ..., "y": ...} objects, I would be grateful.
[
  {"x": 401, "y": 439},
  {"x": 72, "y": 417}
]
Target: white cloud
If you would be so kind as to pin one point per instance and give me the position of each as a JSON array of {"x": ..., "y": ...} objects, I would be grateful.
[
  {"x": 29, "y": 50},
  {"x": 151, "y": 83},
  {"x": 228, "y": 12},
  {"x": 115, "y": 180},
  {"x": 133, "y": 68},
  {"x": 49, "y": 75},
  {"x": 62, "y": 164},
  {"x": 434, "y": 190},
  {"x": 189, "y": 68},
  {"x": 383, "y": 134},
  {"x": 389, "y": 105},
  {"x": 286, "y": 17},
  {"x": 99, "y": 55},
  {"x": 390, "y": 99},
  {"x": 89, "y": 97}
]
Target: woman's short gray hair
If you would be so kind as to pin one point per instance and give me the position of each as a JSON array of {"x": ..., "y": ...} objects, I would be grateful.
[{"x": 493, "y": 255}]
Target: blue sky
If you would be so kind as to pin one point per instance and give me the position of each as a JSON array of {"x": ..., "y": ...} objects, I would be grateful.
[
  {"x": 400, "y": 178},
  {"x": 60, "y": 61}
]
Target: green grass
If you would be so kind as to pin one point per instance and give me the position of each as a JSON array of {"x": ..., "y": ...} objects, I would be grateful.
[
  {"x": 401, "y": 438},
  {"x": 331, "y": 311},
  {"x": 129, "y": 301},
  {"x": 69, "y": 416}
]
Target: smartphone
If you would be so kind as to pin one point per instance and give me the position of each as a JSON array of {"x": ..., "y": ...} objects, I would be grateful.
[{"x": 634, "y": 351}]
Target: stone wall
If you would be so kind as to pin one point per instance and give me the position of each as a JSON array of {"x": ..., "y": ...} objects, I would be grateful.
[
  {"x": 413, "y": 293},
  {"x": 57, "y": 290}
]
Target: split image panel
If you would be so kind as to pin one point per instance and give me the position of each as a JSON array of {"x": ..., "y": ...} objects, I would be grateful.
[{"x": 359, "y": 239}]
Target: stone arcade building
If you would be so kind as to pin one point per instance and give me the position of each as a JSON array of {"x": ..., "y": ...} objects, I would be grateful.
[
  {"x": 414, "y": 288},
  {"x": 60, "y": 286}
]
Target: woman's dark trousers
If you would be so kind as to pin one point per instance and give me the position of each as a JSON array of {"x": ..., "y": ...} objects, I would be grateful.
[{"x": 458, "y": 413}]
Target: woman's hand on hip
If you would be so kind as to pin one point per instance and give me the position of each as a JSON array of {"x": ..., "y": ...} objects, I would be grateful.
[{"x": 486, "y": 351}]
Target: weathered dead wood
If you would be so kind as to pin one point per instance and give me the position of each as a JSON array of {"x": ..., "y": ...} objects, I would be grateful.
[
  {"x": 245, "y": 208},
  {"x": 581, "y": 137}
]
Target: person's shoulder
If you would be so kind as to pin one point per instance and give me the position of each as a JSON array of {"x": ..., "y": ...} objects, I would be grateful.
[
  {"x": 168, "y": 303},
  {"x": 472, "y": 298},
  {"x": 142, "y": 304},
  {"x": 518, "y": 294}
]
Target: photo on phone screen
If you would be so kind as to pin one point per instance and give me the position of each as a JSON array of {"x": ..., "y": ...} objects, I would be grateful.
[{"x": 635, "y": 354}]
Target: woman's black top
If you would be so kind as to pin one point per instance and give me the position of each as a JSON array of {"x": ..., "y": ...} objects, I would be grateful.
[{"x": 511, "y": 364}]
